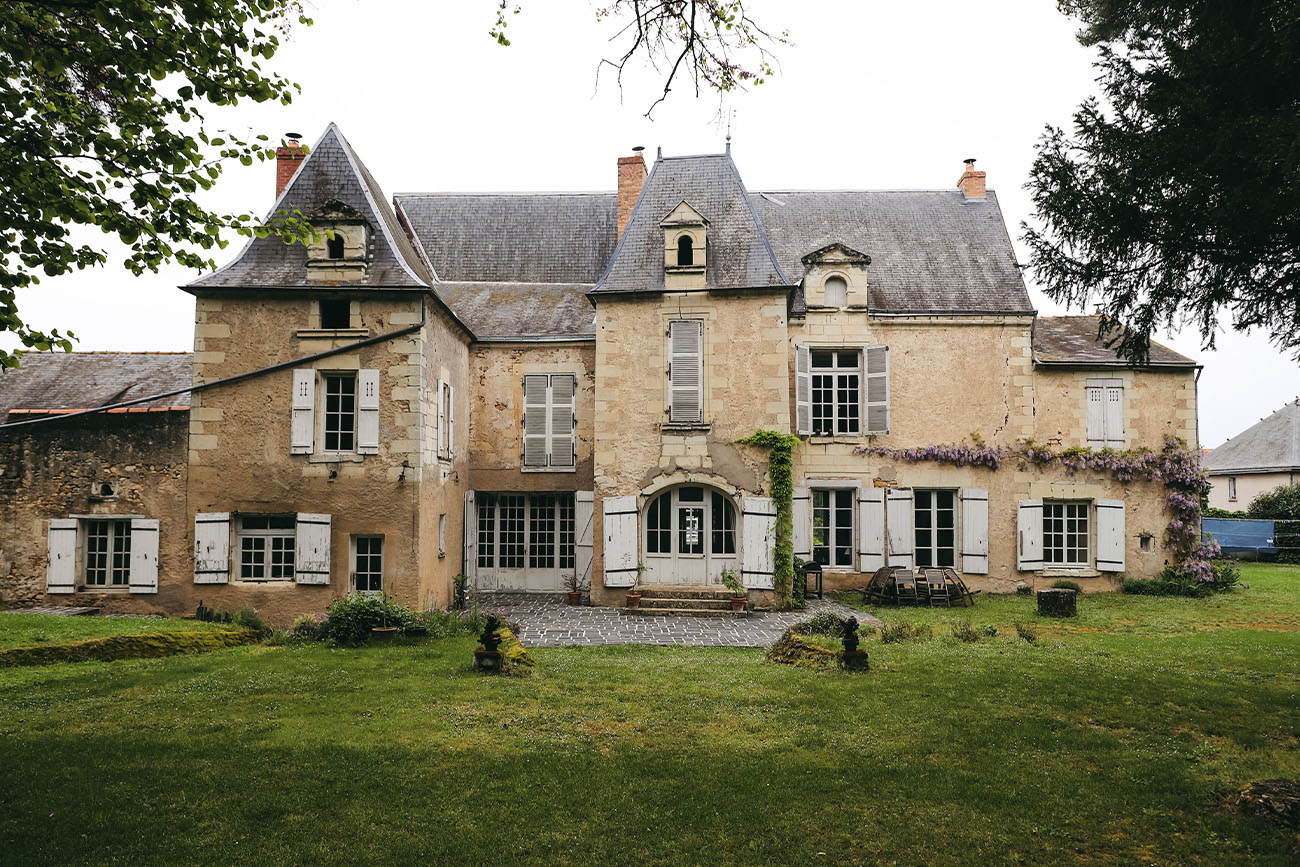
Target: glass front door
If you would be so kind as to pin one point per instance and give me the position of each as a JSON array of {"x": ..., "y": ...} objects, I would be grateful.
[{"x": 690, "y": 537}]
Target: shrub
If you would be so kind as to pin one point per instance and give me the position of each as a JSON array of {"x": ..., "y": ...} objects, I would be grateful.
[
  {"x": 1222, "y": 575},
  {"x": 964, "y": 631},
  {"x": 248, "y": 618},
  {"x": 351, "y": 618},
  {"x": 1281, "y": 502},
  {"x": 1027, "y": 631},
  {"x": 821, "y": 623},
  {"x": 1024, "y": 590},
  {"x": 460, "y": 591},
  {"x": 308, "y": 627},
  {"x": 990, "y": 631},
  {"x": 1064, "y": 584},
  {"x": 731, "y": 580},
  {"x": 894, "y": 633}
]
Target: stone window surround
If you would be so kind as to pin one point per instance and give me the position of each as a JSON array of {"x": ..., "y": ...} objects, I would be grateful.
[{"x": 81, "y": 586}]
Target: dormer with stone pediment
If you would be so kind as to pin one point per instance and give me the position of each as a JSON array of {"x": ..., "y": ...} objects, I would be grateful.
[
  {"x": 341, "y": 252},
  {"x": 835, "y": 278},
  {"x": 686, "y": 247}
]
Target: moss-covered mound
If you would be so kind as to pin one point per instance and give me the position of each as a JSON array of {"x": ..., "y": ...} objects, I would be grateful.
[
  {"x": 128, "y": 647},
  {"x": 515, "y": 658},
  {"x": 794, "y": 649}
]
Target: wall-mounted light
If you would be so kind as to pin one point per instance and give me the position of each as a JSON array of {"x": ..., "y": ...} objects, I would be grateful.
[{"x": 406, "y": 465}]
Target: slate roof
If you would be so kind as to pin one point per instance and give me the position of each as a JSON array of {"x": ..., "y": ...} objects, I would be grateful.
[
  {"x": 514, "y": 237},
  {"x": 52, "y": 381},
  {"x": 331, "y": 171},
  {"x": 739, "y": 255},
  {"x": 1073, "y": 340},
  {"x": 522, "y": 310},
  {"x": 1272, "y": 444},
  {"x": 931, "y": 250}
]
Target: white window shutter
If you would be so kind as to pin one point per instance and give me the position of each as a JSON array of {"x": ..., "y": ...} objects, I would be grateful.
[
  {"x": 618, "y": 529},
  {"x": 686, "y": 370},
  {"x": 803, "y": 390},
  {"x": 441, "y": 403},
  {"x": 368, "y": 412},
  {"x": 303, "y": 435},
  {"x": 451, "y": 420},
  {"x": 584, "y": 507},
  {"x": 759, "y": 522},
  {"x": 1029, "y": 536},
  {"x": 536, "y": 412},
  {"x": 144, "y": 555},
  {"x": 871, "y": 529},
  {"x": 875, "y": 391},
  {"x": 801, "y": 519},
  {"x": 563, "y": 419},
  {"x": 470, "y": 533},
  {"x": 1115, "y": 416},
  {"x": 975, "y": 530},
  {"x": 211, "y": 547},
  {"x": 898, "y": 523},
  {"x": 312, "y": 549},
  {"x": 61, "y": 542},
  {"x": 1096, "y": 417},
  {"x": 1110, "y": 535}
]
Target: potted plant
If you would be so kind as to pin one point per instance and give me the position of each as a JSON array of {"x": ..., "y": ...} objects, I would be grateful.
[
  {"x": 739, "y": 596},
  {"x": 573, "y": 586},
  {"x": 487, "y": 657},
  {"x": 384, "y": 632},
  {"x": 634, "y": 592}
]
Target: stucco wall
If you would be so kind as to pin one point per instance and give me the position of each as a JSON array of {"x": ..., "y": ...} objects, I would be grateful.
[
  {"x": 53, "y": 470},
  {"x": 1249, "y": 486},
  {"x": 1157, "y": 403}
]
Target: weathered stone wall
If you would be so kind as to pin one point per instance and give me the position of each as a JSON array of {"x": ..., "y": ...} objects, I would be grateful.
[
  {"x": 1157, "y": 403},
  {"x": 56, "y": 470}
]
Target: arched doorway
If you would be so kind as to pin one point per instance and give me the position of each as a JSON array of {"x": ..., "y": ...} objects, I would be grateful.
[{"x": 690, "y": 536}]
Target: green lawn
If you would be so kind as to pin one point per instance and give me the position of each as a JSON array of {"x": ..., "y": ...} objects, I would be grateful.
[
  {"x": 26, "y": 630},
  {"x": 1110, "y": 746}
]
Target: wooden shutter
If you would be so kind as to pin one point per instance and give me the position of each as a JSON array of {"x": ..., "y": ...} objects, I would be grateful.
[
  {"x": 759, "y": 523},
  {"x": 974, "y": 530},
  {"x": 312, "y": 549},
  {"x": 803, "y": 390},
  {"x": 144, "y": 555},
  {"x": 584, "y": 504},
  {"x": 563, "y": 419},
  {"x": 1110, "y": 535},
  {"x": 451, "y": 420},
  {"x": 801, "y": 519},
  {"x": 898, "y": 524},
  {"x": 536, "y": 410},
  {"x": 1096, "y": 417},
  {"x": 871, "y": 529},
  {"x": 1029, "y": 536},
  {"x": 61, "y": 542},
  {"x": 469, "y": 548},
  {"x": 618, "y": 529},
  {"x": 685, "y": 370},
  {"x": 875, "y": 390},
  {"x": 442, "y": 419},
  {"x": 1115, "y": 416},
  {"x": 368, "y": 412},
  {"x": 303, "y": 435},
  {"x": 211, "y": 547}
]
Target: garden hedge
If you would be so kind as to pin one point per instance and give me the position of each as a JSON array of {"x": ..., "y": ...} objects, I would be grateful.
[{"x": 144, "y": 646}]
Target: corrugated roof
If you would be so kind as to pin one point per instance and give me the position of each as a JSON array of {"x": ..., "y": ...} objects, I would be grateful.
[
  {"x": 1073, "y": 340},
  {"x": 739, "y": 255},
  {"x": 931, "y": 251},
  {"x": 331, "y": 172},
  {"x": 522, "y": 310},
  {"x": 514, "y": 237},
  {"x": 1272, "y": 444},
  {"x": 64, "y": 381}
]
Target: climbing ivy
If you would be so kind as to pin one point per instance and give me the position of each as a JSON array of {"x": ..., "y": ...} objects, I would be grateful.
[{"x": 780, "y": 447}]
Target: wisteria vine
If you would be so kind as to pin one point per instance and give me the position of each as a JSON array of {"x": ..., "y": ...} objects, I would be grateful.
[{"x": 1177, "y": 467}]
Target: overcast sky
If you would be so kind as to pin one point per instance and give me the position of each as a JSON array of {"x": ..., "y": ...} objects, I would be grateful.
[{"x": 871, "y": 95}]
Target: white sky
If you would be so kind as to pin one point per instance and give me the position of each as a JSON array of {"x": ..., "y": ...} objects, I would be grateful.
[{"x": 873, "y": 95}]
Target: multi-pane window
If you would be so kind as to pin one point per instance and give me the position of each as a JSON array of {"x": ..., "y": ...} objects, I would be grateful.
[
  {"x": 266, "y": 547},
  {"x": 368, "y": 564},
  {"x": 536, "y": 530},
  {"x": 724, "y": 526},
  {"x": 659, "y": 526},
  {"x": 692, "y": 518},
  {"x": 108, "y": 553},
  {"x": 832, "y": 532},
  {"x": 340, "y": 421},
  {"x": 836, "y": 401},
  {"x": 935, "y": 526},
  {"x": 1065, "y": 533}
]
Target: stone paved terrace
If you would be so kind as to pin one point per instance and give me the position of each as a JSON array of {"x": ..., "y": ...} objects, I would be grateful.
[{"x": 547, "y": 621}]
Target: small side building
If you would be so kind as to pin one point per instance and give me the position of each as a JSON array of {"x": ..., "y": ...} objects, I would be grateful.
[{"x": 1260, "y": 458}]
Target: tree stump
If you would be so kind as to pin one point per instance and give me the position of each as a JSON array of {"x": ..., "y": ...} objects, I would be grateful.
[{"x": 1057, "y": 603}]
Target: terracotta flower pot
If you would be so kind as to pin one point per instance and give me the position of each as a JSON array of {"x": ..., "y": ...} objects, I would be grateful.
[
  {"x": 634, "y": 600},
  {"x": 575, "y": 596},
  {"x": 738, "y": 603}
]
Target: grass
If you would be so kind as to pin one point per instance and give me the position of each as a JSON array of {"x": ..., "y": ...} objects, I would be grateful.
[
  {"x": 1109, "y": 746},
  {"x": 27, "y": 630}
]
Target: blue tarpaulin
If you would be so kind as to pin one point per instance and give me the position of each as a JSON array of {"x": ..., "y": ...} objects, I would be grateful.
[{"x": 1240, "y": 534}]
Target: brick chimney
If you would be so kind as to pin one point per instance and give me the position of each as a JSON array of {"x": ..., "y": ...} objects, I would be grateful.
[
  {"x": 971, "y": 182},
  {"x": 631, "y": 178},
  {"x": 287, "y": 160}
]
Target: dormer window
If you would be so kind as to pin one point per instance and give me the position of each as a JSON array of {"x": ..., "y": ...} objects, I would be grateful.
[
  {"x": 685, "y": 251},
  {"x": 836, "y": 278},
  {"x": 334, "y": 246}
]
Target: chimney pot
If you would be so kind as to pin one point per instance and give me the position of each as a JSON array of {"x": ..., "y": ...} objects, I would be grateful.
[{"x": 971, "y": 182}]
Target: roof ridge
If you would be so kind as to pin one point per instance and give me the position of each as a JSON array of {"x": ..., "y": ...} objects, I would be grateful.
[{"x": 487, "y": 193}]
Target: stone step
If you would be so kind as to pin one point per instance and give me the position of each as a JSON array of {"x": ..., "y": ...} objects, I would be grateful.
[
  {"x": 662, "y": 591},
  {"x": 684, "y": 602},
  {"x": 680, "y": 612}
]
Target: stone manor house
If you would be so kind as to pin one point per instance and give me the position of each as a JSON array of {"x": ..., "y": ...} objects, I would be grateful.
[{"x": 524, "y": 386}]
